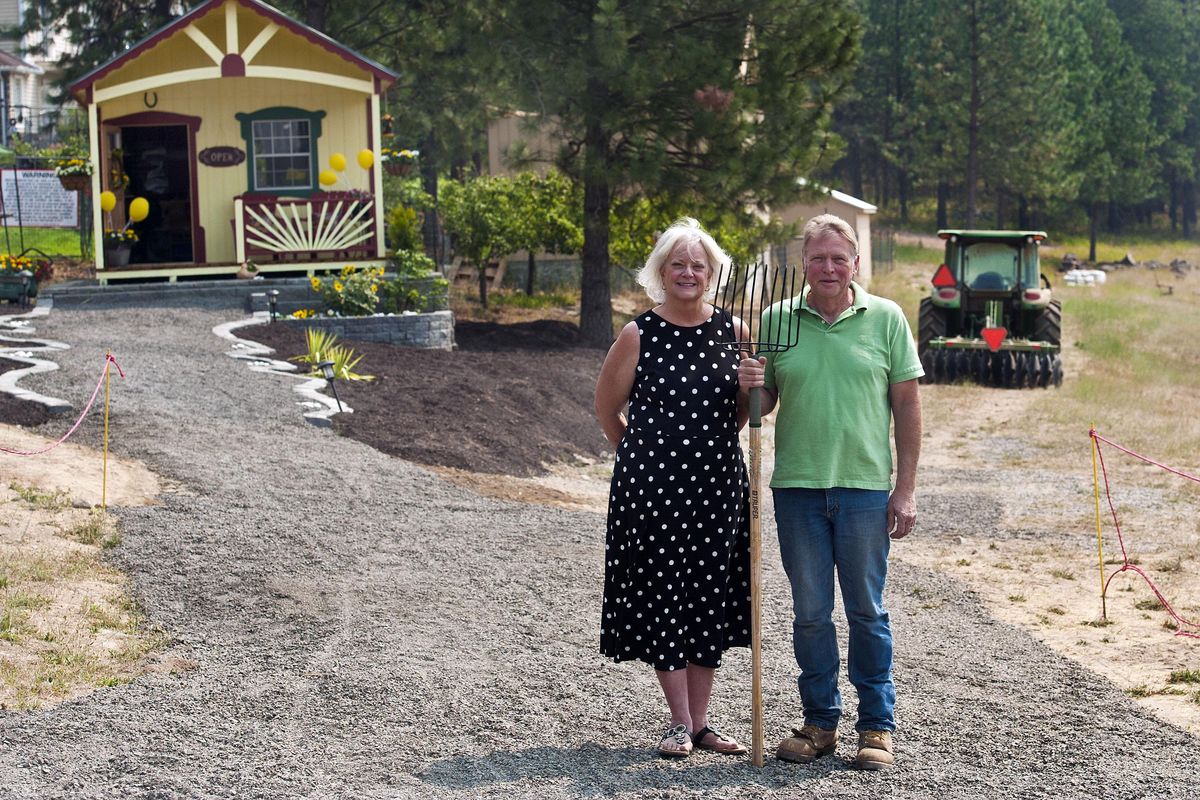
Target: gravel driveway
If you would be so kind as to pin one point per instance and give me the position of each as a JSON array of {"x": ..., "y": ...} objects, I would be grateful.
[{"x": 361, "y": 629}]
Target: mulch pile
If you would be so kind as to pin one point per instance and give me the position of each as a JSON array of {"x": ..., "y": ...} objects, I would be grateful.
[{"x": 511, "y": 398}]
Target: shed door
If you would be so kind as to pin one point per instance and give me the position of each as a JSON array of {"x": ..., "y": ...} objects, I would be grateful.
[{"x": 158, "y": 165}]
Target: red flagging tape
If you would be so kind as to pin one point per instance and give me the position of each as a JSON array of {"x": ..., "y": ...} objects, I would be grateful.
[
  {"x": 107, "y": 358},
  {"x": 1126, "y": 566}
]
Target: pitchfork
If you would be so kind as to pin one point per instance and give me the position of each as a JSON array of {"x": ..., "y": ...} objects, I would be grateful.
[{"x": 751, "y": 290}]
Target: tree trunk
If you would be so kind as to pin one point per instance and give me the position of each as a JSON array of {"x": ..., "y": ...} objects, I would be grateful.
[
  {"x": 1173, "y": 202},
  {"x": 1188, "y": 207},
  {"x": 595, "y": 301},
  {"x": 529, "y": 275},
  {"x": 1023, "y": 220},
  {"x": 316, "y": 14},
  {"x": 942, "y": 191},
  {"x": 902, "y": 181},
  {"x": 430, "y": 227},
  {"x": 483, "y": 282},
  {"x": 973, "y": 117},
  {"x": 1093, "y": 212},
  {"x": 1001, "y": 209}
]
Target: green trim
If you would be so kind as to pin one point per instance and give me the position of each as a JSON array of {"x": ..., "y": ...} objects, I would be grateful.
[{"x": 314, "y": 118}]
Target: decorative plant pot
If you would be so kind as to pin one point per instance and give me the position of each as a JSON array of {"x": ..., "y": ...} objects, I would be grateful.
[
  {"x": 75, "y": 183},
  {"x": 397, "y": 167},
  {"x": 117, "y": 255}
]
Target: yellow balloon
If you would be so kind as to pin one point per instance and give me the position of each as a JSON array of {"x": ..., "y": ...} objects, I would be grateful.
[
  {"x": 139, "y": 208},
  {"x": 327, "y": 177},
  {"x": 337, "y": 161},
  {"x": 366, "y": 159},
  {"x": 108, "y": 201}
]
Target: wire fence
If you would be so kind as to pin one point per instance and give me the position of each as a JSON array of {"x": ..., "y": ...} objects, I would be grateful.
[{"x": 883, "y": 250}]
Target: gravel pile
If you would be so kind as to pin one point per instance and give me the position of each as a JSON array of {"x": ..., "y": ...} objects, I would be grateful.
[{"x": 361, "y": 629}]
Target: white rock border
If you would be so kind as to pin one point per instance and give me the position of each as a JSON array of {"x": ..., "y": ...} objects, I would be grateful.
[
  {"x": 23, "y": 353},
  {"x": 256, "y": 356}
]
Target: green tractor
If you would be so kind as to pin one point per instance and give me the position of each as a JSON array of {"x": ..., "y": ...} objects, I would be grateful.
[{"x": 990, "y": 317}]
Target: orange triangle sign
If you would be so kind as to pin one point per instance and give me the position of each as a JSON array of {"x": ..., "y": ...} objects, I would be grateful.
[
  {"x": 944, "y": 278},
  {"x": 993, "y": 337}
]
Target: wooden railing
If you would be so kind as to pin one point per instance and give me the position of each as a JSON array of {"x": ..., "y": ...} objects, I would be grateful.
[{"x": 324, "y": 225}]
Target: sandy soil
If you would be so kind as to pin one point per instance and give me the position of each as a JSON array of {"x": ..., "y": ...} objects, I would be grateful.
[{"x": 61, "y": 603}]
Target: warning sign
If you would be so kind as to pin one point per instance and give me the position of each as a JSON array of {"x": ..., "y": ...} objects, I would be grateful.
[{"x": 35, "y": 198}]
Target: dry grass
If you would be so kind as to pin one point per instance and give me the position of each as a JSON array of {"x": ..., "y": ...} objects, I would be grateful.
[{"x": 67, "y": 625}]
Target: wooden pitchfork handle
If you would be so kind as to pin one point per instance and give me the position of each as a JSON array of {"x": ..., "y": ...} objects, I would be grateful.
[{"x": 756, "y": 716}]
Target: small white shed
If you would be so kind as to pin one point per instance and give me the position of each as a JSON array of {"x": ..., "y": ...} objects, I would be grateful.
[{"x": 857, "y": 212}]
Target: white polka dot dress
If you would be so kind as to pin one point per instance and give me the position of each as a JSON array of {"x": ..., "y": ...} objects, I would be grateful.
[{"x": 677, "y": 555}]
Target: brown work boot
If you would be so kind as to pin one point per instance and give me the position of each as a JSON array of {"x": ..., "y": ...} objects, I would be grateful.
[
  {"x": 807, "y": 744},
  {"x": 875, "y": 750}
]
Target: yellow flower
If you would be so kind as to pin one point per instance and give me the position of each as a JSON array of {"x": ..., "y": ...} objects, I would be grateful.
[
  {"x": 316, "y": 282},
  {"x": 347, "y": 270},
  {"x": 337, "y": 286},
  {"x": 374, "y": 287}
]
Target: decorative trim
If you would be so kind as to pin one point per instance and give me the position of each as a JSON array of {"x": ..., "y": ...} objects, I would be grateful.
[
  {"x": 310, "y": 76},
  {"x": 157, "y": 82},
  {"x": 233, "y": 66},
  {"x": 162, "y": 119},
  {"x": 204, "y": 43},
  {"x": 83, "y": 87}
]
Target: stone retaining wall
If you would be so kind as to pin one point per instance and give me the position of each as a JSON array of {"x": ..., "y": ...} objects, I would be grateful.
[{"x": 434, "y": 330}]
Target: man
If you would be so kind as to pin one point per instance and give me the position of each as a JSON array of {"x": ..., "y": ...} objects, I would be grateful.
[{"x": 854, "y": 370}]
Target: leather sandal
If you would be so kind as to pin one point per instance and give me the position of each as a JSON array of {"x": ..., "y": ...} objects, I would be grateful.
[
  {"x": 699, "y": 736},
  {"x": 678, "y": 735}
]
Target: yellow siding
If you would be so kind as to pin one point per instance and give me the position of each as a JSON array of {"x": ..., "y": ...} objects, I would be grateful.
[{"x": 344, "y": 130}]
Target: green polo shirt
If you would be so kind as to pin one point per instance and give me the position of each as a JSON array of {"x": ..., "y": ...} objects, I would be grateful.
[{"x": 833, "y": 418}]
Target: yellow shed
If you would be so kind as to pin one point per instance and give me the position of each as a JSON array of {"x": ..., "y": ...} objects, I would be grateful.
[{"x": 224, "y": 121}]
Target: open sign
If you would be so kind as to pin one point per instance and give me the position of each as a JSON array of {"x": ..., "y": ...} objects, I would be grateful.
[{"x": 224, "y": 156}]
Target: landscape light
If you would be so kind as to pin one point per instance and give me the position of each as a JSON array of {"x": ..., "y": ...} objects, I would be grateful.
[
  {"x": 273, "y": 300},
  {"x": 326, "y": 368}
]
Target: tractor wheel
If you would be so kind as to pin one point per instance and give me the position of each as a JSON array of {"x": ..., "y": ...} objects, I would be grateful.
[
  {"x": 927, "y": 365},
  {"x": 1043, "y": 370},
  {"x": 1056, "y": 370},
  {"x": 1007, "y": 370},
  {"x": 931, "y": 324},
  {"x": 996, "y": 378},
  {"x": 1048, "y": 326},
  {"x": 981, "y": 367}
]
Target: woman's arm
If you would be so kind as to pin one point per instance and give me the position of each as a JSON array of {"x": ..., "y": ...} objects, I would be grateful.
[{"x": 616, "y": 382}]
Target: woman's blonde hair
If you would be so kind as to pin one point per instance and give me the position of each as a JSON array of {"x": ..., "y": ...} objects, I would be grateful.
[{"x": 685, "y": 231}]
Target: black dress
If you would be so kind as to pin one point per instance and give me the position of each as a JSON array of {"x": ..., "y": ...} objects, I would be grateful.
[{"x": 677, "y": 555}]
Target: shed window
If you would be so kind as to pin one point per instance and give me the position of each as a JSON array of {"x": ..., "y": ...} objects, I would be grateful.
[
  {"x": 281, "y": 149},
  {"x": 282, "y": 154}
]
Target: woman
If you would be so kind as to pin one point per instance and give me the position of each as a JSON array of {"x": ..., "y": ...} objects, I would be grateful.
[{"x": 677, "y": 563}]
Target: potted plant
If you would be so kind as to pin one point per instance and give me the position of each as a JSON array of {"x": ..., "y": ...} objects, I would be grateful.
[
  {"x": 74, "y": 173},
  {"x": 118, "y": 243},
  {"x": 399, "y": 161}
]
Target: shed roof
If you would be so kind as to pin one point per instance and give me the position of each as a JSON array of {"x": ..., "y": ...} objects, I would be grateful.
[{"x": 382, "y": 74}]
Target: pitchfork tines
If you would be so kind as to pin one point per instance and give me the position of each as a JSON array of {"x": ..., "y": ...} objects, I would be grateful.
[{"x": 746, "y": 291}]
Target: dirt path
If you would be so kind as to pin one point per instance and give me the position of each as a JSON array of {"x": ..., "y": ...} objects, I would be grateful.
[{"x": 363, "y": 628}]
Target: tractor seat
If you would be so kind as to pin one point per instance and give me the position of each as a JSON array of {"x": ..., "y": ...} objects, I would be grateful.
[{"x": 991, "y": 282}]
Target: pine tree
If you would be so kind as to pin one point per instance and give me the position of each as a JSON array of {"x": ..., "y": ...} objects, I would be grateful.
[
  {"x": 725, "y": 101},
  {"x": 96, "y": 30}
]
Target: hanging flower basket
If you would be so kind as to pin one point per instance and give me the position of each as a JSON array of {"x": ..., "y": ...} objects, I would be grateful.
[
  {"x": 397, "y": 167},
  {"x": 76, "y": 183}
]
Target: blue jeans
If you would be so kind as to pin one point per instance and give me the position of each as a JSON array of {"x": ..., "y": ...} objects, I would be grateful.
[{"x": 820, "y": 529}]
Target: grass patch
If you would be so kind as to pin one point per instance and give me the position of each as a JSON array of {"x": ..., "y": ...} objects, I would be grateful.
[
  {"x": 95, "y": 529},
  {"x": 1152, "y": 604},
  {"x": 1059, "y": 610},
  {"x": 1184, "y": 676},
  {"x": 535, "y": 300},
  {"x": 49, "y": 501},
  {"x": 1016, "y": 598},
  {"x": 1063, "y": 574}
]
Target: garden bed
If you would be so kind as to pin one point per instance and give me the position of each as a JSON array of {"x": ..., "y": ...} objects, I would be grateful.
[
  {"x": 508, "y": 401},
  {"x": 19, "y": 412}
]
